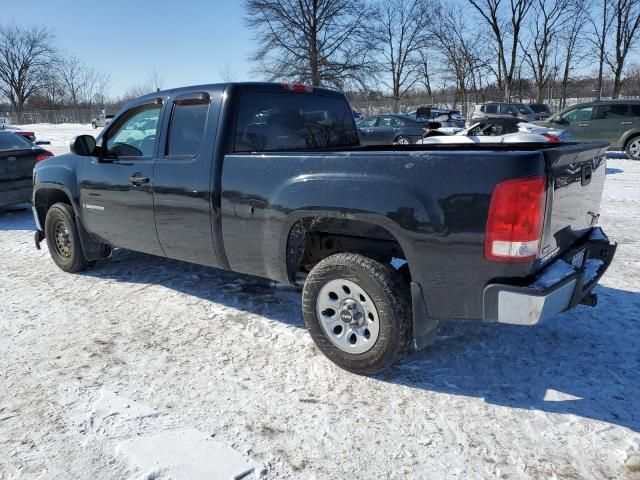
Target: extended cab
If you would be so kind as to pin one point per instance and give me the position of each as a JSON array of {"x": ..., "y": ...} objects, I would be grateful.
[{"x": 271, "y": 180}]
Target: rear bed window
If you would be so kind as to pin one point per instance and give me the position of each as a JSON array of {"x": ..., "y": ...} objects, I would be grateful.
[{"x": 293, "y": 121}]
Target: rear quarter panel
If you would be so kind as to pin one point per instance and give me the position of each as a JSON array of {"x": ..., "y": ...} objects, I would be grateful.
[{"x": 434, "y": 204}]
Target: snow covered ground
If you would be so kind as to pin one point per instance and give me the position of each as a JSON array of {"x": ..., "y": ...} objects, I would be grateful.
[{"x": 150, "y": 368}]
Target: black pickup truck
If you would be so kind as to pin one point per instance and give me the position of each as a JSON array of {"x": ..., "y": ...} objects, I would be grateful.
[{"x": 271, "y": 180}]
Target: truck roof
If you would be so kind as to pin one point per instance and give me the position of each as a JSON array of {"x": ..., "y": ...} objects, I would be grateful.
[{"x": 275, "y": 86}]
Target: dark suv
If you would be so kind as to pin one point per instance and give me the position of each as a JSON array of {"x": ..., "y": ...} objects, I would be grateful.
[{"x": 616, "y": 121}]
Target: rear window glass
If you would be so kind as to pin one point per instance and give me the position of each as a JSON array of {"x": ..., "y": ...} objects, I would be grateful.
[
  {"x": 491, "y": 109},
  {"x": 635, "y": 109},
  {"x": 613, "y": 111},
  {"x": 186, "y": 131},
  {"x": 293, "y": 121},
  {"x": 13, "y": 141}
]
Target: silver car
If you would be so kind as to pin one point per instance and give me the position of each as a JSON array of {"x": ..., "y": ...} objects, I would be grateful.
[{"x": 101, "y": 120}]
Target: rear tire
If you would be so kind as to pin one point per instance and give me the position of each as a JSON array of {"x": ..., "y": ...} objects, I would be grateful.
[
  {"x": 633, "y": 148},
  {"x": 63, "y": 239},
  {"x": 358, "y": 312},
  {"x": 93, "y": 124},
  {"x": 402, "y": 140}
]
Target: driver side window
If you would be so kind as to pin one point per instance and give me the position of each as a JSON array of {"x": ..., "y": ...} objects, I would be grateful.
[{"x": 135, "y": 135}]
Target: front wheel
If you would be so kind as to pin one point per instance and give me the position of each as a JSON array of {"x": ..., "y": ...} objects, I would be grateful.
[
  {"x": 358, "y": 312},
  {"x": 633, "y": 148},
  {"x": 63, "y": 239}
]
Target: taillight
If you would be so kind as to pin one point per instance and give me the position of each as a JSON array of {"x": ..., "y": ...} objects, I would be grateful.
[
  {"x": 514, "y": 225},
  {"x": 552, "y": 138},
  {"x": 297, "y": 87},
  {"x": 43, "y": 156}
]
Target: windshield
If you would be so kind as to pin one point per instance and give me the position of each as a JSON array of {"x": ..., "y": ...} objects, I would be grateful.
[
  {"x": 293, "y": 121},
  {"x": 522, "y": 108},
  {"x": 12, "y": 141}
]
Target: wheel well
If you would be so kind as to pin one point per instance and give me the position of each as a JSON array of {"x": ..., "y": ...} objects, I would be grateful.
[
  {"x": 632, "y": 137},
  {"x": 44, "y": 199},
  {"x": 313, "y": 239}
]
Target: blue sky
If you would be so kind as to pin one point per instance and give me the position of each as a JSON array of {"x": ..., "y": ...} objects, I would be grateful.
[{"x": 186, "y": 41}]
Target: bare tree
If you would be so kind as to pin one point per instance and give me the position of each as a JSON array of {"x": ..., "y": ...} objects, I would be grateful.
[
  {"x": 226, "y": 71},
  {"x": 451, "y": 34},
  {"x": 155, "y": 80},
  {"x": 71, "y": 70},
  {"x": 626, "y": 24},
  {"x": 322, "y": 42},
  {"x": 570, "y": 44},
  {"x": 601, "y": 23},
  {"x": 504, "y": 30},
  {"x": 25, "y": 54},
  {"x": 400, "y": 28},
  {"x": 426, "y": 73},
  {"x": 550, "y": 17}
]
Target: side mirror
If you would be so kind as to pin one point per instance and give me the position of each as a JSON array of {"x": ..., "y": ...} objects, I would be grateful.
[{"x": 84, "y": 145}]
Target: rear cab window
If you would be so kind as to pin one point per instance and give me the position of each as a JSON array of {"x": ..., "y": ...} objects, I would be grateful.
[
  {"x": 279, "y": 121},
  {"x": 186, "y": 128}
]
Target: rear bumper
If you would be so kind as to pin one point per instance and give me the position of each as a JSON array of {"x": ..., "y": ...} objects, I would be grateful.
[
  {"x": 15, "y": 196},
  {"x": 559, "y": 287}
]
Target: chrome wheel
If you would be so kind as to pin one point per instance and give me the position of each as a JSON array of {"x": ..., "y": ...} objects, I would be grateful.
[
  {"x": 403, "y": 141},
  {"x": 634, "y": 149},
  {"x": 348, "y": 316},
  {"x": 62, "y": 239}
]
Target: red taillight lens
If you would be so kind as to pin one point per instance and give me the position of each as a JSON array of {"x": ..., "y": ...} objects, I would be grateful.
[
  {"x": 43, "y": 156},
  {"x": 297, "y": 87},
  {"x": 515, "y": 220},
  {"x": 552, "y": 138}
]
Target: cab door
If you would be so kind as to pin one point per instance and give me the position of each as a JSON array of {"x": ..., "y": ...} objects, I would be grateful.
[
  {"x": 578, "y": 122},
  {"x": 116, "y": 188},
  {"x": 182, "y": 190}
]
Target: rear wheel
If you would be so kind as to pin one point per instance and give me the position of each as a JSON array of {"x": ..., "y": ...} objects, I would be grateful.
[
  {"x": 633, "y": 148},
  {"x": 358, "y": 312},
  {"x": 402, "y": 140},
  {"x": 63, "y": 239}
]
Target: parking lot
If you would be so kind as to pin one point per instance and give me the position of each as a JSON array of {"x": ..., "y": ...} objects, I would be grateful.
[{"x": 104, "y": 369}]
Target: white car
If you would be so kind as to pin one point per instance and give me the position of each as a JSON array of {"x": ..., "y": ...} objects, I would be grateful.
[{"x": 498, "y": 131}]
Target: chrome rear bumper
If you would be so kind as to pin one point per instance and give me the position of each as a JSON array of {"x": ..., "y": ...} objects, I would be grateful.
[{"x": 559, "y": 287}]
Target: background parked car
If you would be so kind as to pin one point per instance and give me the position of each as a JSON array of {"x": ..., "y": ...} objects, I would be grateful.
[
  {"x": 101, "y": 121},
  {"x": 390, "y": 129},
  {"x": 616, "y": 121},
  {"x": 489, "y": 111},
  {"x": 17, "y": 159},
  {"x": 542, "y": 109},
  {"x": 504, "y": 130}
]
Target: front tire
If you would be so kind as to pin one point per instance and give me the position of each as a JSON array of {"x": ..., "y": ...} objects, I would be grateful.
[
  {"x": 633, "y": 148},
  {"x": 63, "y": 239},
  {"x": 358, "y": 312}
]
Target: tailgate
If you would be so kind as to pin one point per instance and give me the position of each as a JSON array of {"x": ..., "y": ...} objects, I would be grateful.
[{"x": 577, "y": 174}]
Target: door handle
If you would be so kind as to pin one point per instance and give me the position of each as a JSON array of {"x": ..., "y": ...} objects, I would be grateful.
[
  {"x": 137, "y": 179},
  {"x": 626, "y": 123},
  {"x": 583, "y": 124}
]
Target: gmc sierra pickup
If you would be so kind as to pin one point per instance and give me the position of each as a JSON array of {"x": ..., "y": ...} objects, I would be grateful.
[{"x": 270, "y": 180}]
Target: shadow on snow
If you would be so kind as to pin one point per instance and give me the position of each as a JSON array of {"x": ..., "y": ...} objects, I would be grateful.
[{"x": 585, "y": 362}]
